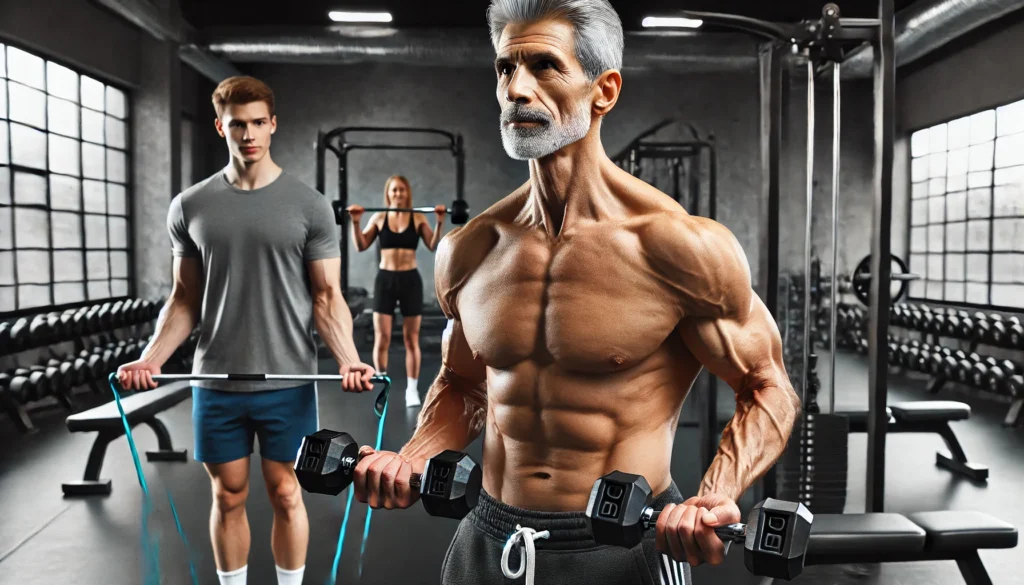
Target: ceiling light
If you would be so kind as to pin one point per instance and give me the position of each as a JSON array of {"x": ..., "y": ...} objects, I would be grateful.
[
  {"x": 342, "y": 16},
  {"x": 670, "y": 22}
]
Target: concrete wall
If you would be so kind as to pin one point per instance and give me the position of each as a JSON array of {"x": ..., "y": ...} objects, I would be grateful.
[
  {"x": 107, "y": 46},
  {"x": 981, "y": 76}
]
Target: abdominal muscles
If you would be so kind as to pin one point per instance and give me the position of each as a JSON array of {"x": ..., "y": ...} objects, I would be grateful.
[{"x": 551, "y": 432}]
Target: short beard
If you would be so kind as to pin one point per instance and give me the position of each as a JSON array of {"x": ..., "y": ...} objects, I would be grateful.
[{"x": 544, "y": 139}]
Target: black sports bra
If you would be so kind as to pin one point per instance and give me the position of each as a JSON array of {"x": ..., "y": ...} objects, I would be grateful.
[{"x": 406, "y": 239}]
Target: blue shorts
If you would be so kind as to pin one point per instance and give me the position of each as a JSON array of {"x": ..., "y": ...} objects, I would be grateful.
[{"x": 225, "y": 423}]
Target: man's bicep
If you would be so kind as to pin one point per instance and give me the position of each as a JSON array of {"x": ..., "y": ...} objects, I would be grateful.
[
  {"x": 324, "y": 274},
  {"x": 188, "y": 281},
  {"x": 744, "y": 350},
  {"x": 457, "y": 357}
]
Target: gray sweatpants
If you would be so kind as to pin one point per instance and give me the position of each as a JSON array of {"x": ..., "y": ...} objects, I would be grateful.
[{"x": 569, "y": 556}]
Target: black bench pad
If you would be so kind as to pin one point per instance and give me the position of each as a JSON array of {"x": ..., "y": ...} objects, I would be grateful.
[
  {"x": 137, "y": 408},
  {"x": 859, "y": 418},
  {"x": 952, "y": 531},
  {"x": 930, "y": 411},
  {"x": 864, "y": 534}
]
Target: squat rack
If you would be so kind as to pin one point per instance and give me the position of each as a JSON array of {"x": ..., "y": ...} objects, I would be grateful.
[
  {"x": 337, "y": 141},
  {"x": 825, "y": 42}
]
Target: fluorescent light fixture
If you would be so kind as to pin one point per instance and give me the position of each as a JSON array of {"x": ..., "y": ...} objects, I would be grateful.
[
  {"x": 343, "y": 16},
  {"x": 670, "y": 22}
]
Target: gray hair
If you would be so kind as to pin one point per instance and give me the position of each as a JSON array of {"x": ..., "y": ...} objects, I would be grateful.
[{"x": 597, "y": 29}]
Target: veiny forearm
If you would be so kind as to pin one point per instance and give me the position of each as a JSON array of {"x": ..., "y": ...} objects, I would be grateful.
[
  {"x": 176, "y": 321},
  {"x": 453, "y": 415},
  {"x": 753, "y": 440},
  {"x": 333, "y": 321}
]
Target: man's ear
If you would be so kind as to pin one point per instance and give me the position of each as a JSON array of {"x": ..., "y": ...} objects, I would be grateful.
[
  {"x": 273, "y": 123},
  {"x": 606, "y": 89},
  {"x": 219, "y": 126}
]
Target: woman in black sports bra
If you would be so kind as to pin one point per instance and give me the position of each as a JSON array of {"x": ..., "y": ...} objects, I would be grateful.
[{"x": 398, "y": 280}]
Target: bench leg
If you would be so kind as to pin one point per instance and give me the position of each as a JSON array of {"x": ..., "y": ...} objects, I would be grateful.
[
  {"x": 18, "y": 414},
  {"x": 935, "y": 385},
  {"x": 91, "y": 484},
  {"x": 958, "y": 463},
  {"x": 1013, "y": 415},
  {"x": 973, "y": 570},
  {"x": 166, "y": 450},
  {"x": 64, "y": 398}
]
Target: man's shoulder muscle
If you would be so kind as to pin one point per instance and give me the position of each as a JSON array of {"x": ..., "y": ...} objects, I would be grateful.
[
  {"x": 464, "y": 248},
  {"x": 703, "y": 260}
]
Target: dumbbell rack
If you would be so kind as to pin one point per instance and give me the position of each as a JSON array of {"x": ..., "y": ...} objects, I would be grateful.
[
  {"x": 991, "y": 374},
  {"x": 95, "y": 351}
]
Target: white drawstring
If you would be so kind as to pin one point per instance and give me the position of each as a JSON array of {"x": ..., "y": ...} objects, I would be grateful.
[{"x": 527, "y": 561}]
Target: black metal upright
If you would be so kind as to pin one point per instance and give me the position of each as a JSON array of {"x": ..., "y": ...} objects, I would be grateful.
[
  {"x": 345, "y": 224},
  {"x": 460, "y": 168},
  {"x": 878, "y": 321},
  {"x": 771, "y": 148},
  {"x": 321, "y": 153}
]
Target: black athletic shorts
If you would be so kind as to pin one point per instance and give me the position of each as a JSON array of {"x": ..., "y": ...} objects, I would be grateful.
[
  {"x": 569, "y": 556},
  {"x": 404, "y": 288}
]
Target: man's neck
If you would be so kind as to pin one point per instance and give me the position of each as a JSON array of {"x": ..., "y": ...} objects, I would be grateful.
[
  {"x": 567, "y": 185},
  {"x": 250, "y": 176}
]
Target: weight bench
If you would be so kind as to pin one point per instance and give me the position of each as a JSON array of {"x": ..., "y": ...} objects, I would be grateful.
[
  {"x": 922, "y": 536},
  {"x": 105, "y": 419},
  {"x": 928, "y": 417}
]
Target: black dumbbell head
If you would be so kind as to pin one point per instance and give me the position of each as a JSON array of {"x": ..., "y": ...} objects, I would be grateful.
[
  {"x": 82, "y": 371},
  {"x": 1009, "y": 366},
  {"x": 979, "y": 373},
  {"x": 1015, "y": 386},
  {"x": 5, "y": 337},
  {"x": 325, "y": 462},
  {"x": 616, "y": 505},
  {"x": 450, "y": 485},
  {"x": 777, "y": 535}
]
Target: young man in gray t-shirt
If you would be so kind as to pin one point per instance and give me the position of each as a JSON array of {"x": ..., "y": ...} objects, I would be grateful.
[{"x": 256, "y": 265}]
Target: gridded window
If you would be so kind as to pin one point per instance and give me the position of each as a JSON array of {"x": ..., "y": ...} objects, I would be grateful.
[
  {"x": 64, "y": 206},
  {"x": 967, "y": 209}
]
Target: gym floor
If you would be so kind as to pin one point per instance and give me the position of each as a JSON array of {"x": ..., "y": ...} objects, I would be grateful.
[{"x": 45, "y": 538}]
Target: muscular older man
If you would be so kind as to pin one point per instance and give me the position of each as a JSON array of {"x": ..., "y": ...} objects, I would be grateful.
[{"x": 581, "y": 309}]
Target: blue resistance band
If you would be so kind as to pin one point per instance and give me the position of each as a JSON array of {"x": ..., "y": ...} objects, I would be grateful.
[
  {"x": 332, "y": 579},
  {"x": 369, "y": 511},
  {"x": 150, "y": 545}
]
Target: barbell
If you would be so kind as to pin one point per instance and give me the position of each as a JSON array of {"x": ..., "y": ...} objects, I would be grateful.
[{"x": 459, "y": 211}]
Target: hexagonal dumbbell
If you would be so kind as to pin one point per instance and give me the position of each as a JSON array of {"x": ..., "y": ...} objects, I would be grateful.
[
  {"x": 449, "y": 485},
  {"x": 618, "y": 515}
]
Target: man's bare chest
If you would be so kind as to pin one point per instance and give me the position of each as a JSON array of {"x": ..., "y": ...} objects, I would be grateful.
[{"x": 589, "y": 303}]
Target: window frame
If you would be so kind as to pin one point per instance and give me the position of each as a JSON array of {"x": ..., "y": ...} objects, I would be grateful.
[
  {"x": 46, "y": 174},
  {"x": 989, "y": 218}
]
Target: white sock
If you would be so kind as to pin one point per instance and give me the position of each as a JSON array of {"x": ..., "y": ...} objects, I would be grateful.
[
  {"x": 412, "y": 394},
  {"x": 236, "y": 577},
  {"x": 293, "y": 577}
]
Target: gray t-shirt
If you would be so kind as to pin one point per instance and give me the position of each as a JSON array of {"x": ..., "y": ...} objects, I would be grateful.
[{"x": 257, "y": 312}]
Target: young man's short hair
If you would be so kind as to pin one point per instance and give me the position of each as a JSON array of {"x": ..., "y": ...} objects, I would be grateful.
[{"x": 240, "y": 90}]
